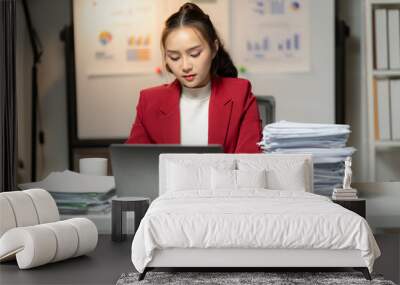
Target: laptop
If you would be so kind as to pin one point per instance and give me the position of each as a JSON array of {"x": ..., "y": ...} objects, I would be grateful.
[{"x": 135, "y": 166}]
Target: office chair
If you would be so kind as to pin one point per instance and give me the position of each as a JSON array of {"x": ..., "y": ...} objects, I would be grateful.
[{"x": 266, "y": 107}]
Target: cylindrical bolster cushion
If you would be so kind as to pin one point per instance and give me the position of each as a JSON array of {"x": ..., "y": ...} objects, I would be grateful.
[
  {"x": 87, "y": 234},
  {"x": 7, "y": 218},
  {"x": 23, "y": 208},
  {"x": 45, "y": 205},
  {"x": 41, "y": 244},
  {"x": 67, "y": 240},
  {"x": 33, "y": 246}
]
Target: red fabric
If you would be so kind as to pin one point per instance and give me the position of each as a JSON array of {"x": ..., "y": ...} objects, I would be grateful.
[{"x": 233, "y": 118}]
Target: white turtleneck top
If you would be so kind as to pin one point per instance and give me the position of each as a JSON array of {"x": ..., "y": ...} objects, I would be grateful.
[{"x": 193, "y": 107}]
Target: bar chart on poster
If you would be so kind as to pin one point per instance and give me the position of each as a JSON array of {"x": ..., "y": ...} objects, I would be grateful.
[
  {"x": 284, "y": 47},
  {"x": 277, "y": 39}
]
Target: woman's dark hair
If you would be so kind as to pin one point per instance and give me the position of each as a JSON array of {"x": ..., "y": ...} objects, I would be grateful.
[{"x": 191, "y": 15}]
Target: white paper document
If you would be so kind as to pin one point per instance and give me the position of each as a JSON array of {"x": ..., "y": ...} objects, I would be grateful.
[{"x": 73, "y": 182}]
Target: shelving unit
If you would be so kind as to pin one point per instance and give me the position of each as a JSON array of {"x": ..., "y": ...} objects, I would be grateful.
[
  {"x": 377, "y": 146},
  {"x": 381, "y": 145},
  {"x": 385, "y": 73}
]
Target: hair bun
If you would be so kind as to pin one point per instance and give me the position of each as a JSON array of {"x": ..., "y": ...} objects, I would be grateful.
[{"x": 188, "y": 6}]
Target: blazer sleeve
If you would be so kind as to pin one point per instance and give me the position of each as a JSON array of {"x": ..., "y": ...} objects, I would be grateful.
[
  {"x": 138, "y": 134},
  {"x": 250, "y": 126}
]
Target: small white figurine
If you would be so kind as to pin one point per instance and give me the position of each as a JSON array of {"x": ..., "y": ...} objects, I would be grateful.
[{"x": 347, "y": 173}]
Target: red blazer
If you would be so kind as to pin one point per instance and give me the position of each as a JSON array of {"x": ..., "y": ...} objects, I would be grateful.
[{"x": 233, "y": 118}]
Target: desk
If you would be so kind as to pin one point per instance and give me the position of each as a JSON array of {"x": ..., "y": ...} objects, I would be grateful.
[{"x": 102, "y": 266}]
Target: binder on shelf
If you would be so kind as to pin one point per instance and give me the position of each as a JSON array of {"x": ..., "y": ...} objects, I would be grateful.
[
  {"x": 383, "y": 109},
  {"x": 381, "y": 39},
  {"x": 376, "y": 121},
  {"x": 395, "y": 108},
  {"x": 394, "y": 38}
]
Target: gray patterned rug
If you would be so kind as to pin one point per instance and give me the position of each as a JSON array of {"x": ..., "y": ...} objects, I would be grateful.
[{"x": 269, "y": 278}]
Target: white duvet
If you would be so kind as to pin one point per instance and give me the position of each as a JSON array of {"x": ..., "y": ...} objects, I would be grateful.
[{"x": 251, "y": 218}]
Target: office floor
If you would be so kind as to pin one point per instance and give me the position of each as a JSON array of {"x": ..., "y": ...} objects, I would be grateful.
[{"x": 102, "y": 266}]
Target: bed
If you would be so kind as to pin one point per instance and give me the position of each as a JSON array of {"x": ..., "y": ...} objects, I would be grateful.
[{"x": 247, "y": 210}]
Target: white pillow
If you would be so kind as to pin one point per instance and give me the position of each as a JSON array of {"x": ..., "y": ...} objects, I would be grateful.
[
  {"x": 237, "y": 179},
  {"x": 223, "y": 179},
  {"x": 192, "y": 174},
  {"x": 282, "y": 174},
  {"x": 251, "y": 178}
]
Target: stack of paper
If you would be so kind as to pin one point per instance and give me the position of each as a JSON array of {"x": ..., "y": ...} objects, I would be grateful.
[
  {"x": 326, "y": 142},
  {"x": 344, "y": 194},
  {"x": 77, "y": 193}
]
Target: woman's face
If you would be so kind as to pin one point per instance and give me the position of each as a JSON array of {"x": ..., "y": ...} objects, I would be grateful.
[{"x": 189, "y": 57}]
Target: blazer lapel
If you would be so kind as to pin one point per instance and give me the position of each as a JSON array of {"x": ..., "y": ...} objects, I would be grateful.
[
  {"x": 169, "y": 115},
  {"x": 219, "y": 113}
]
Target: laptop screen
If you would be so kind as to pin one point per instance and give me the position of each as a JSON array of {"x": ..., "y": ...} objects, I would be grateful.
[{"x": 135, "y": 166}]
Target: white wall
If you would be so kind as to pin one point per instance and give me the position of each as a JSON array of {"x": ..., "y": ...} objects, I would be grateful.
[{"x": 307, "y": 96}]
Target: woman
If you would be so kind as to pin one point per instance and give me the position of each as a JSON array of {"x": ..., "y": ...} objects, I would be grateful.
[{"x": 206, "y": 104}]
